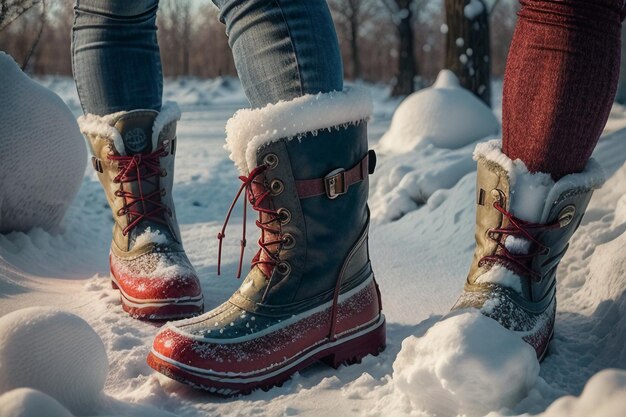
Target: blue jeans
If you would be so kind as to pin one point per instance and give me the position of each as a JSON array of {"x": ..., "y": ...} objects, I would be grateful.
[{"x": 282, "y": 49}]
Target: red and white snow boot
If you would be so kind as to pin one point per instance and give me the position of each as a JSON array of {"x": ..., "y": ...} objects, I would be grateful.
[
  {"x": 133, "y": 155},
  {"x": 523, "y": 225},
  {"x": 311, "y": 293}
]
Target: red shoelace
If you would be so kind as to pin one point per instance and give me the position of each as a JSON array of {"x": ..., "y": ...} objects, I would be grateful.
[
  {"x": 248, "y": 184},
  {"x": 517, "y": 228},
  {"x": 139, "y": 168}
]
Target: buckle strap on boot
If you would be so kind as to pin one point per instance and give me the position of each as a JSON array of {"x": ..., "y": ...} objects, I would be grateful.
[{"x": 337, "y": 182}]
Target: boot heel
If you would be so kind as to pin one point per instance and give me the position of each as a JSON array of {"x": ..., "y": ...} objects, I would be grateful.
[{"x": 354, "y": 350}]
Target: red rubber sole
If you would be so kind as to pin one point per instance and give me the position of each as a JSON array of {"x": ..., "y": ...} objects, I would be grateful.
[
  {"x": 159, "y": 311},
  {"x": 350, "y": 351}
]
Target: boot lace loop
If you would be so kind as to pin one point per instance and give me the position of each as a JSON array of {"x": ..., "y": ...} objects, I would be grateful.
[
  {"x": 255, "y": 199},
  {"x": 139, "y": 168},
  {"x": 518, "y": 262}
]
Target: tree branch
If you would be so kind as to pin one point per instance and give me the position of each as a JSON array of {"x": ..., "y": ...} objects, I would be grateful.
[{"x": 33, "y": 47}]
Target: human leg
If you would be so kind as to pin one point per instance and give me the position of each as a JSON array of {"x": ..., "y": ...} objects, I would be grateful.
[
  {"x": 560, "y": 82},
  {"x": 282, "y": 49},
  {"x": 115, "y": 56}
]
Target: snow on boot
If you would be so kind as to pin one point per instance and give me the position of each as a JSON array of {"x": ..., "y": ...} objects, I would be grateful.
[
  {"x": 133, "y": 155},
  {"x": 523, "y": 225},
  {"x": 310, "y": 294}
]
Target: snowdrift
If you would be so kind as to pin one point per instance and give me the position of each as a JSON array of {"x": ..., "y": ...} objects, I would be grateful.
[
  {"x": 428, "y": 146},
  {"x": 42, "y": 153}
]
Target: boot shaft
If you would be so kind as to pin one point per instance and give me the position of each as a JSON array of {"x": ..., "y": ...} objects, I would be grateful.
[
  {"x": 317, "y": 188},
  {"x": 133, "y": 156}
]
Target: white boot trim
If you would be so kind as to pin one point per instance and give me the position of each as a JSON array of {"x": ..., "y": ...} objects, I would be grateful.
[
  {"x": 250, "y": 129},
  {"x": 102, "y": 126},
  {"x": 537, "y": 188}
]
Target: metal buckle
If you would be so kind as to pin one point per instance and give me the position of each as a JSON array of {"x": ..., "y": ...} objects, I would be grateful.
[{"x": 335, "y": 183}]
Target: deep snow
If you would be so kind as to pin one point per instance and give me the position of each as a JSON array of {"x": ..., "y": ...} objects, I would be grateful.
[{"x": 420, "y": 260}]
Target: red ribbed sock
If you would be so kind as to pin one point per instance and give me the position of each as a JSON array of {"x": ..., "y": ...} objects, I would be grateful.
[{"x": 560, "y": 82}]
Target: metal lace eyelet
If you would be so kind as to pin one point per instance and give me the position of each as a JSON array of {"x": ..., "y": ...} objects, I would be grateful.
[
  {"x": 283, "y": 268},
  {"x": 288, "y": 241},
  {"x": 117, "y": 193},
  {"x": 122, "y": 212},
  {"x": 284, "y": 216},
  {"x": 567, "y": 215},
  {"x": 271, "y": 160},
  {"x": 163, "y": 173},
  {"x": 276, "y": 187},
  {"x": 163, "y": 192}
]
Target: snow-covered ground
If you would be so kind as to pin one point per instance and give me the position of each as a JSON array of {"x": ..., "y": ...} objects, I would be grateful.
[{"x": 421, "y": 245}]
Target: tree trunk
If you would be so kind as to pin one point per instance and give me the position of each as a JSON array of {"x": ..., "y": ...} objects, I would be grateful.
[
  {"x": 354, "y": 48},
  {"x": 621, "y": 86},
  {"x": 406, "y": 55},
  {"x": 33, "y": 47},
  {"x": 467, "y": 46}
]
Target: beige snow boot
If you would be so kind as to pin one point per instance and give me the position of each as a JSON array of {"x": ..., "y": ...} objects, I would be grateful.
[
  {"x": 133, "y": 155},
  {"x": 524, "y": 222}
]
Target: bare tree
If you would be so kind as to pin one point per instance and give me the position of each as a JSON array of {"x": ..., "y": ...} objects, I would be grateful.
[
  {"x": 11, "y": 10},
  {"x": 42, "y": 25},
  {"x": 402, "y": 14},
  {"x": 502, "y": 22},
  {"x": 176, "y": 25},
  {"x": 211, "y": 55},
  {"x": 202, "y": 50},
  {"x": 467, "y": 44},
  {"x": 351, "y": 16}
]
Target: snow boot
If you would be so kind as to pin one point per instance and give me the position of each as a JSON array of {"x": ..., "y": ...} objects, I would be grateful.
[
  {"x": 133, "y": 156},
  {"x": 310, "y": 294},
  {"x": 523, "y": 225}
]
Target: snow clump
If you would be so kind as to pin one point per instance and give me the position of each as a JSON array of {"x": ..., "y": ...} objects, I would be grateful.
[
  {"x": 466, "y": 364},
  {"x": 473, "y": 9},
  {"x": 445, "y": 115},
  {"x": 27, "y": 402},
  {"x": 55, "y": 352}
]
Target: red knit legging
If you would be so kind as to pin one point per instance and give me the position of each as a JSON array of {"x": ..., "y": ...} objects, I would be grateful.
[{"x": 560, "y": 82}]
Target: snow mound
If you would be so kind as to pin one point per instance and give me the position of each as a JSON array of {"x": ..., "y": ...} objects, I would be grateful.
[
  {"x": 55, "y": 352},
  {"x": 466, "y": 364},
  {"x": 42, "y": 153},
  {"x": 603, "y": 396},
  {"x": 27, "y": 402},
  {"x": 445, "y": 115},
  {"x": 404, "y": 182}
]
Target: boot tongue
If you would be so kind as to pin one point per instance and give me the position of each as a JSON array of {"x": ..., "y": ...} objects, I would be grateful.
[{"x": 135, "y": 128}]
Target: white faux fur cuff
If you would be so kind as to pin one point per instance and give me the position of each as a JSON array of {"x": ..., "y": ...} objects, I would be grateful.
[
  {"x": 249, "y": 129},
  {"x": 91, "y": 124},
  {"x": 530, "y": 191}
]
